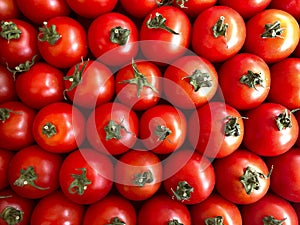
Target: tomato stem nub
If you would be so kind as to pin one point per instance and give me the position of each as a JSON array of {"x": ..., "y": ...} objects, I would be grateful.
[
  {"x": 270, "y": 220},
  {"x": 180, "y": 3},
  {"x": 283, "y": 120},
  {"x": 116, "y": 221},
  {"x": 183, "y": 191},
  {"x": 252, "y": 79},
  {"x": 199, "y": 80},
  {"x": 143, "y": 178},
  {"x": 119, "y": 35},
  {"x": 218, "y": 220},
  {"x": 9, "y": 30},
  {"x": 23, "y": 67},
  {"x": 49, "y": 129},
  {"x": 48, "y": 34},
  {"x": 232, "y": 127},
  {"x": 159, "y": 22},
  {"x": 5, "y": 114},
  {"x": 272, "y": 30},
  {"x": 162, "y": 132},
  {"x": 113, "y": 130},
  {"x": 174, "y": 222},
  {"x": 11, "y": 215},
  {"x": 220, "y": 27},
  {"x": 80, "y": 182}
]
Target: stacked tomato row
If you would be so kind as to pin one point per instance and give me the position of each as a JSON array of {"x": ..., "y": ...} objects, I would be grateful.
[{"x": 149, "y": 112}]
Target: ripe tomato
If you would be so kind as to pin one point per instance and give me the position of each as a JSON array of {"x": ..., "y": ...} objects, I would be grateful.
[
  {"x": 7, "y": 86},
  {"x": 89, "y": 84},
  {"x": 270, "y": 130},
  {"x": 33, "y": 172},
  {"x": 112, "y": 39},
  {"x": 59, "y": 127},
  {"x": 16, "y": 124},
  {"x": 165, "y": 34},
  {"x": 193, "y": 182},
  {"x": 138, "y": 174},
  {"x": 190, "y": 82},
  {"x": 138, "y": 8},
  {"x": 62, "y": 41},
  {"x": 263, "y": 212},
  {"x": 244, "y": 81},
  {"x": 9, "y": 10},
  {"x": 290, "y": 6},
  {"x": 218, "y": 33},
  {"x": 86, "y": 176},
  {"x": 242, "y": 177},
  {"x": 5, "y": 157},
  {"x": 272, "y": 34},
  {"x": 56, "y": 208},
  {"x": 113, "y": 209},
  {"x": 112, "y": 128},
  {"x": 162, "y": 128},
  {"x": 216, "y": 210},
  {"x": 161, "y": 209}
]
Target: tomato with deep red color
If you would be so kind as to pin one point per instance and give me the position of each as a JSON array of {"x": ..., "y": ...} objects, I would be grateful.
[
  {"x": 112, "y": 128},
  {"x": 9, "y": 10},
  {"x": 112, "y": 39},
  {"x": 33, "y": 172},
  {"x": 189, "y": 177},
  {"x": 5, "y": 157},
  {"x": 161, "y": 209},
  {"x": 242, "y": 177},
  {"x": 59, "y": 127},
  {"x": 138, "y": 8},
  {"x": 272, "y": 34},
  {"x": 89, "y": 84},
  {"x": 86, "y": 176},
  {"x": 215, "y": 210},
  {"x": 271, "y": 209},
  {"x": 270, "y": 129},
  {"x": 56, "y": 208},
  {"x": 113, "y": 209},
  {"x": 7, "y": 86},
  {"x": 16, "y": 124},
  {"x": 62, "y": 41},
  {"x": 165, "y": 34},
  {"x": 219, "y": 33},
  {"x": 244, "y": 81},
  {"x": 290, "y": 6}
]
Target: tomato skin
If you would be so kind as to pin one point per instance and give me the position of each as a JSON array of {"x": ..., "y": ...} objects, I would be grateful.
[
  {"x": 103, "y": 211},
  {"x": 215, "y": 205},
  {"x": 7, "y": 86},
  {"x": 138, "y": 8},
  {"x": 262, "y": 134},
  {"x": 274, "y": 49},
  {"x": 56, "y": 208},
  {"x": 290, "y": 6},
  {"x": 9, "y": 10},
  {"x": 297, "y": 115},
  {"x": 69, "y": 127},
  {"x": 218, "y": 49},
  {"x": 239, "y": 94},
  {"x": 5, "y": 157}
]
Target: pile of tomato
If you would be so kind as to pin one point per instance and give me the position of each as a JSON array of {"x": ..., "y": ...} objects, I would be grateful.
[{"x": 164, "y": 112}]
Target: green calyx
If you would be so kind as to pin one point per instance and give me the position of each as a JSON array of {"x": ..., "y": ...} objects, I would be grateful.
[
  {"x": 143, "y": 178},
  {"x": 232, "y": 127},
  {"x": 159, "y": 22},
  {"x": 220, "y": 27},
  {"x": 199, "y": 80},
  {"x": 9, "y": 30},
  {"x": 174, "y": 222},
  {"x": 5, "y": 114},
  {"x": 23, "y": 67},
  {"x": 119, "y": 35},
  {"x": 49, "y": 129},
  {"x": 183, "y": 191},
  {"x": 162, "y": 132},
  {"x": 116, "y": 221},
  {"x": 252, "y": 79},
  {"x": 180, "y": 3},
  {"x": 113, "y": 130},
  {"x": 218, "y": 220},
  {"x": 283, "y": 120},
  {"x": 48, "y": 34},
  {"x": 11, "y": 215},
  {"x": 80, "y": 182},
  {"x": 272, "y": 30},
  {"x": 270, "y": 220}
]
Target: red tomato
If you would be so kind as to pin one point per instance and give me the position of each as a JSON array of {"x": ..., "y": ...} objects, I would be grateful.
[
  {"x": 9, "y": 10},
  {"x": 138, "y": 8},
  {"x": 62, "y": 41},
  {"x": 5, "y": 157},
  {"x": 242, "y": 177},
  {"x": 162, "y": 128},
  {"x": 216, "y": 210},
  {"x": 219, "y": 32},
  {"x": 16, "y": 124},
  {"x": 33, "y": 172},
  {"x": 271, "y": 209},
  {"x": 7, "y": 86},
  {"x": 165, "y": 34},
  {"x": 112, "y": 128},
  {"x": 244, "y": 81},
  {"x": 272, "y": 34},
  {"x": 270, "y": 130},
  {"x": 161, "y": 209},
  {"x": 57, "y": 208},
  {"x": 112, "y": 39},
  {"x": 113, "y": 209},
  {"x": 59, "y": 127},
  {"x": 193, "y": 182},
  {"x": 138, "y": 174},
  {"x": 290, "y": 6},
  {"x": 86, "y": 176},
  {"x": 89, "y": 84}
]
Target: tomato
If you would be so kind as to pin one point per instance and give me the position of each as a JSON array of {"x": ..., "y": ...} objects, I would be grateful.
[
  {"x": 86, "y": 176},
  {"x": 270, "y": 130},
  {"x": 40, "y": 86},
  {"x": 262, "y": 212},
  {"x": 59, "y": 127},
  {"x": 193, "y": 182},
  {"x": 89, "y": 84},
  {"x": 113, "y": 209},
  {"x": 17, "y": 43},
  {"x": 218, "y": 33},
  {"x": 9, "y": 10},
  {"x": 272, "y": 34},
  {"x": 165, "y": 34},
  {"x": 56, "y": 208},
  {"x": 7, "y": 86},
  {"x": 286, "y": 73},
  {"x": 5, "y": 157},
  {"x": 138, "y": 8},
  {"x": 216, "y": 209},
  {"x": 162, "y": 128},
  {"x": 290, "y": 6},
  {"x": 112, "y": 128},
  {"x": 33, "y": 172},
  {"x": 244, "y": 81},
  {"x": 112, "y": 39},
  {"x": 62, "y": 41},
  {"x": 16, "y": 124},
  {"x": 242, "y": 177},
  {"x": 139, "y": 85}
]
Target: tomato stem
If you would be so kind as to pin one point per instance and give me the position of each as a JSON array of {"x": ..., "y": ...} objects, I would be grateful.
[
  {"x": 252, "y": 79},
  {"x": 143, "y": 178},
  {"x": 232, "y": 127},
  {"x": 23, "y": 67},
  {"x": 9, "y": 30},
  {"x": 283, "y": 120},
  {"x": 220, "y": 27},
  {"x": 48, "y": 34},
  {"x": 113, "y": 130},
  {"x": 11, "y": 215},
  {"x": 270, "y": 220},
  {"x": 5, "y": 114},
  {"x": 116, "y": 221},
  {"x": 162, "y": 132},
  {"x": 80, "y": 182},
  {"x": 199, "y": 80},
  {"x": 218, "y": 220},
  {"x": 183, "y": 191},
  {"x": 119, "y": 35},
  {"x": 159, "y": 22},
  {"x": 180, "y": 3},
  {"x": 49, "y": 129},
  {"x": 272, "y": 30},
  {"x": 174, "y": 222}
]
